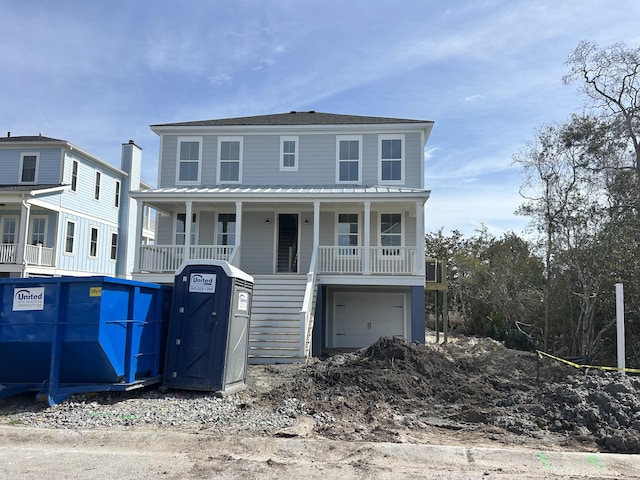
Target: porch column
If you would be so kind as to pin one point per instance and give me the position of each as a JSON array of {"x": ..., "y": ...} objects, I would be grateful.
[
  {"x": 238, "y": 242},
  {"x": 23, "y": 233},
  {"x": 187, "y": 230},
  {"x": 367, "y": 238},
  {"x": 420, "y": 238},
  {"x": 138, "y": 240},
  {"x": 316, "y": 224}
]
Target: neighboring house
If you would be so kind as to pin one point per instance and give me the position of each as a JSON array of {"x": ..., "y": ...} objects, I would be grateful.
[
  {"x": 325, "y": 211},
  {"x": 65, "y": 212}
]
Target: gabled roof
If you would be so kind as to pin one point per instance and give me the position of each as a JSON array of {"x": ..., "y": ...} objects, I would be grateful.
[
  {"x": 29, "y": 138},
  {"x": 295, "y": 118}
]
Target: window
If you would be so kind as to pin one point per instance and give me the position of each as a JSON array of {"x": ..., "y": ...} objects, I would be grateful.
[
  {"x": 9, "y": 225},
  {"x": 391, "y": 150},
  {"x": 69, "y": 237},
  {"x": 116, "y": 201},
  {"x": 349, "y": 156},
  {"x": 347, "y": 233},
  {"x": 38, "y": 230},
  {"x": 74, "y": 176},
  {"x": 96, "y": 190},
  {"x": 390, "y": 233},
  {"x": 114, "y": 246},
  {"x": 28, "y": 167},
  {"x": 288, "y": 153},
  {"x": 93, "y": 242},
  {"x": 226, "y": 229},
  {"x": 189, "y": 157},
  {"x": 229, "y": 159},
  {"x": 181, "y": 228}
]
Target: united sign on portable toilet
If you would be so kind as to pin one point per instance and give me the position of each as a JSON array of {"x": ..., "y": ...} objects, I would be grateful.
[{"x": 208, "y": 340}]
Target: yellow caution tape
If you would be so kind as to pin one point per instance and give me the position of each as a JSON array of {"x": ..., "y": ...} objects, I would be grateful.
[{"x": 577, "y": 365}]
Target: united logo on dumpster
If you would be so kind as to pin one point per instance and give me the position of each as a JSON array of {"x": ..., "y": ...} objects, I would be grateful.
[
  {"x": 28, "y": 298},
  {"x": 202, "y": 283}
]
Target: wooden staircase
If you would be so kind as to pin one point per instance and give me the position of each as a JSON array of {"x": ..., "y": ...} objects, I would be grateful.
[{"x": 275, "y": 334}]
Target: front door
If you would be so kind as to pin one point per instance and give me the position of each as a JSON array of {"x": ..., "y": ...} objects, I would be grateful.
[{"x": 287, "y": 243}]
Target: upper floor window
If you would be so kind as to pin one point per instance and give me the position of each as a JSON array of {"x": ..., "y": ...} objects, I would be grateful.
[
  {"x": 391, "y": 152},
  {"x": 69, "y": 237},
  {"x": 28, "y": 167},
  {"x": 116, "y": 200},
  {"x": 74, "y": 176},
  {"x": 347, "y": 233},
  {"x": 38, "y": 230},
  {"x": 349, "y": 159},
  {"x": 226, "y": 229},
  {"x": 229, "y": 160},
  {"x": 189, "y": 159},
  {"x": 391, "y": 232},
  {"x": 96, "y": 189},
  {"x": 93, "y": 242},
  {"x": 181, "y": 228},
  {"x": 114, "y": 246},
  {"x": 288, "y": 153}
]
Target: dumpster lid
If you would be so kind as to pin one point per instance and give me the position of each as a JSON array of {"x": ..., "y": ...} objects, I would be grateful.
[{"x": 230, "y": 270}]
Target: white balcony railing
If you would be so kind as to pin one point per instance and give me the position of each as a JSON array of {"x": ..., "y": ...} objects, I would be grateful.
[
  {"x": 167, "y": 258},
  {"x": 39, "y": 255},
  {"x": 382, "y": 260},
  {"x": 7, "y": 253}
]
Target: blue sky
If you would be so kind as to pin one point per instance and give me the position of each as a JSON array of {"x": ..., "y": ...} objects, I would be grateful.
[{"x": 488, "y": 72}]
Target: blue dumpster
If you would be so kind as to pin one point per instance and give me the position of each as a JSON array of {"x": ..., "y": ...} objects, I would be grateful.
[
  {"x": 66, "y": 335},
  {"x": 208, "y": 339}
]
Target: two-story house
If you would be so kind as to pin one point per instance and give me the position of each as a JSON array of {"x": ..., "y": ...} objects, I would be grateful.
[
  {"x": 325, "y": 211},
  {"x": 65, "y": 212}
]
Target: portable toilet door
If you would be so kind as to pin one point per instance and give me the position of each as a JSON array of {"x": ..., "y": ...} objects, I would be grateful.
[{"x": 208, "y": 341}]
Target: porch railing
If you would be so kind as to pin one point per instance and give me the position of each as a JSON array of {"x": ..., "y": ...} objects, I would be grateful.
[
  {"x": 7, "y": 253},
  {"x": 382, "y": 260},
  {"x": 167, "y": 258},
  {"x": 39, "y": 255}
]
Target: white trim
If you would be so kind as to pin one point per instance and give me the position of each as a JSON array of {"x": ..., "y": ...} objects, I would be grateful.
[
  {"x": 337, "y": 233},
  {"x": 74, "y": 237},
  {"x": 296, "y": 153},
  {"x": 35, "y": 174},
  {"x": 46, "y": 227},
  {"x": 346, "y": 138},
  {"x": 91, "y": 229},
  {"x": 59, "y": 209},
  {"x": 179, "y": 140},
  {"x": 16, "y": 233},
  {"x": 240, "y": 140},
  {"x": 402, "y": 159},
  {"x": 402, "y": 228}
]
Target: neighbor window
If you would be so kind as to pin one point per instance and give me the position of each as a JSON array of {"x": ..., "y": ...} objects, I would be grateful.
[
  {"x": 29, "y": 167},
  {"x": 288, "y": 153},
  {"x": 74, "y": 176},
  {"x": 38, "y": 230},
  {"x": 69, "y": 237},
  {"x": 96, "y": 189},
  {"x": 189, "y": 159},
  {"x": 229, "y": 159},
  {"x": 391, "y": 232},
  {"x": 226, "y": 229},
  {"x": 181, "y": 228},
  {"x": 114, "y": 246},
  {"x": 116, "y": 200},
  {"x": 391, "y": 150},
  {"x": 9, "y": 225},
  {"x": 93, "y": 242},
  {"x": 349, "y": 159},
  {"x": 347, "y": 233}
]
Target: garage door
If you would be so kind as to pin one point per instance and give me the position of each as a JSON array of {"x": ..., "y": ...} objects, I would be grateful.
[{"x": 362, "y": 318}]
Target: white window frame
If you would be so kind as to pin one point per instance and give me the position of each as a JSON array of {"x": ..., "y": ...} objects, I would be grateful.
[
  {"x": 92, "y": 229},
  {"x": 381, "y": 233},
  {"x": 347, "y": 138},
  {"x": 194, "y": 228},
  {"x": 97, "y": 181},
  {"x": 31, "y": 230},
  {"x": 228, "y": 235},
  {"x": 21, "y": 171},
  {"x": 359, "y": 234},
  {"x": 294, "y": 167},
  {"x": 73, "y": 237},
  {"x": 113, "y": 247},
  {"x": 74, "y": 175},
  {"x": 402, "y": 160},
  {"x": 179, "y": 161},
  {"x": 15, "y": 230},
  {"x": 240, "y": 140},
  {"x": 116, "y": 197}
]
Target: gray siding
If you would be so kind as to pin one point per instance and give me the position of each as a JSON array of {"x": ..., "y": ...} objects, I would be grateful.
[{"x": 256, "y": 255}]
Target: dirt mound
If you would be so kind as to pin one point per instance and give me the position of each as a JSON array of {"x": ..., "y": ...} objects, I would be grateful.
[{"x": 395, "y": 388}]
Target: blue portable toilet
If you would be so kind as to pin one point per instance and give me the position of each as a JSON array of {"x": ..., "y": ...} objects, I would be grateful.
[{"x": 208, "y": 340}]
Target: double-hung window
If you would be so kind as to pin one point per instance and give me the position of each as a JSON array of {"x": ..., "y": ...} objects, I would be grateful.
[
  {"x": 114, "y": 246},
  {"x": 96, "y": 188},
  {"x": 116, "y": 199},
  {"x": 9, "y": 229},
  {"x": 74, "y": 176},
  {"x": 93, "y": 243},
  {"x": 38, "y": 230},
  {"x": 391, "y": 233},
  {"x": 229, "y": 160},
  {"x": 69, "y": 237},
  {"x": 189, "y": 160},
  {"x": 28, "y": 167},
  {"x": 349, "y": 159},
  {"x": 226, "y": 229},
  {"x": 181, "y": 229},
  {"x": 347, "y": 233},
  {"x": 289, "y": 153},
  {"x": 391, "y": 154}
]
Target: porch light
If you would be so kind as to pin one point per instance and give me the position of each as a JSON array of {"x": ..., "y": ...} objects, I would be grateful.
[
  {"x": 267, "y": 221},
  {"x": 306, "y": 221}
]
